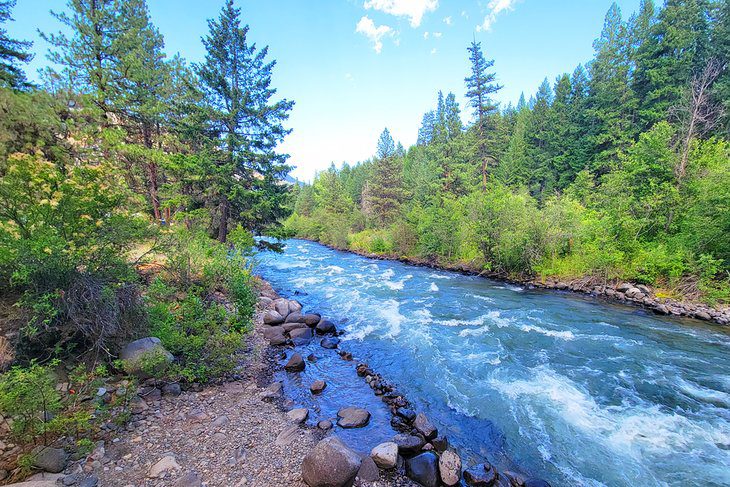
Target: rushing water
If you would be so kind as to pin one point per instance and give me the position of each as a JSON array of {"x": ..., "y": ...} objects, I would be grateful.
[{"x": 570, "y": 389}]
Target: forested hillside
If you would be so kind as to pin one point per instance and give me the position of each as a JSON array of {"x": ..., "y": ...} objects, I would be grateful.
[{"x": 618, "y": 170}]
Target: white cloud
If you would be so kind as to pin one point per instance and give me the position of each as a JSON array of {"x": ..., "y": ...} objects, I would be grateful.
[
  {"x": 448, "y": 21},
  {"x": 437, "y": 35},
  {"x": 426, "y": 34},
  {"x": 495, "y": 8},
  {"x": 433, "y": 51},
  {"x": 413, "y": 9},
  {"x": 375, "y": 33}
]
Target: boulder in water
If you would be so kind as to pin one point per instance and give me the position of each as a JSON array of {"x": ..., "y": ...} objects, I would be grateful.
[
  {"x": 330, "y": 464},
  {"x": 317, "y": 386},
  {"x": 425, "y": 427},
  {"x": 352, "y": 417},
  {"x": 295, "y": 306},
  {"x": 325, "y": 326},
  {"x": 282, "y": 307},
  {"x": 295, "y": 363},
  {"x": 450, "y": 467},
  {"x": 295, "y": 317},
  {"x": 424, "y": 469},
  {"x": 311, "y": 319},
  {"x": 481, "y": 475},
  {"x": 330, "y": 342},
  {"x": 408, "y": 444}
]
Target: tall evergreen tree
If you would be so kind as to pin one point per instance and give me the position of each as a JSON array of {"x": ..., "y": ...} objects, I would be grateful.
[
  {"x": 246, "y": 125},
  {"x": 481, "y": 86},
  {"x": 675, "y": 50},
  {"x": 385, "y": 190},
  {"x": 452, "y": 116},
  {"x": 12, "y": 52},
  {"x": 611, "y": 101},
  {"x": 425, "y": 133}
]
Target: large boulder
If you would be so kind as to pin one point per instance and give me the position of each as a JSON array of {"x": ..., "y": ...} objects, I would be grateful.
[
  {"x": 272, "y": 331},
  {"x": 295, "y": 306},
  {"x": 139, "y": 354},
  {"x": 424, "y": 469},
  {"x": 295, "y": 317},
  {"x": 481, "y": 475},
  {"x": 385, "y": 455},
  {"x": 295, "y": 363},
  {"x": 425, "y": 427},
  {"x": 325, "y": 326},
  {"x": 49, "y": 459},
  {"x": 408, "y": 444},
  {"x": 302, "y": 333},
  {"x": 288, "y": 327},
  {"x": 281, "y": 306},
  {"x": 368, "y": 470},
  {"x": 330, "y": 464},
  {"x": 272, "y": 317},
  {"x": 352, "y": 417},
  {"x": 450, "y": 467},
  {"x": 311, "y": 319}
]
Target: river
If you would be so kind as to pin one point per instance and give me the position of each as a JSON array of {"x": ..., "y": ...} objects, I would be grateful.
[{"x": 569, "y": 388}]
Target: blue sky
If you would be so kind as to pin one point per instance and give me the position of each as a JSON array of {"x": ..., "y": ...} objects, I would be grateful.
[{"x": 354, "y": 67}]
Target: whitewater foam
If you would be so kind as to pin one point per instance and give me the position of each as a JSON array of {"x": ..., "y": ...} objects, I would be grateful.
[
  {"x": 433, "y": 288},
  {"x": 563, "y": 335}
]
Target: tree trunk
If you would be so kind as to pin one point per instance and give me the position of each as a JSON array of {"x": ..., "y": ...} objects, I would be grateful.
[{"x": 223, "y": 227}]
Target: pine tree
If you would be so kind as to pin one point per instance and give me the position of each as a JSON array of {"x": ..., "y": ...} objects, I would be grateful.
[
  {"x": 480, "y": 88},
  {"x": 675, "y": 50},
  {"x": 236, "y": 82},
  {"x": 12, "y": 52},
  {"x": 538, "y": 134},
  {"x": 386, "y": 145},
  {"x": 452, "y": 117},
  {"x": 384, "y": 193},
  {"x": 425, "y": 133},
  {"x": 611, "y": 101}
]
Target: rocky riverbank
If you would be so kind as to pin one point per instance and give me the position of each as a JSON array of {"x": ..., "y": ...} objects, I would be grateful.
[
  {"x": 416, "y": 451},
  {"x": 612, "y": 291}
]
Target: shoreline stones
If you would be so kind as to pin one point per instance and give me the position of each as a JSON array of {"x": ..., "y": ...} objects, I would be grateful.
[
  {"x": 135, "y": 353},
  {"x": 353, "y": 417},
  {"x": 330, "y": 463},
  {"x": 295, "y": 364},
  {"x": 417, "y": 447}
]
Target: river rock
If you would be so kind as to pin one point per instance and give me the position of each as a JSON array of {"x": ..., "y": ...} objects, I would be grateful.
[
  {"x": 272, "y": 331},
  {"x": 311, "y": 319},
  {"x": 298, "y": 415},
  {"x": 623, "y": 287},
  {"x": 134, "y": 353},
  {"x": 295, "y": 306},
  {"x": 49, "y": 459},
  {"x": 424, "y": 469},
  {"x": 301, "y": 333},
  {"x": 289, "y": 327},
  {"x": 164, "y": 465},
  {"x": 295, "y": 317},
  {"x": 325, "y": 425},
  {"x": 425, "y": 427},
  {"x": 317, "y": 386},
  {"x": 385, "y": 455},
  {"x": 272, "y": 317},
  {"x": 405, "y": 413},
  {"x": 450, "y": 467},
  {"x": 190, "y": 479},
  {"x": 295, "y": 363},
  {"x": 352, "y": 417},
  {"x": 481, "y": 475},
  {"x": 325, "y": 326},
  {"x": 408, "y": 444},
  {"x": 287, "y": 436},
  {"x": 273, "y": 391},
  {"x": 281, "y": 306},
  {"x": 330, "y": 342},
  {"x": 440, "y": 443},
  {"x": 330, "y": 464},
  {"x": 368, "y": 471}
]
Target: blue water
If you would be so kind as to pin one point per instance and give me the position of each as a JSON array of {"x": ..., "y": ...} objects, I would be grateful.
[{"x": 570, "y": 389}]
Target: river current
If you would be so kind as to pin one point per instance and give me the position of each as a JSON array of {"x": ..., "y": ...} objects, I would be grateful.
[{"x": 567, "y": 388}]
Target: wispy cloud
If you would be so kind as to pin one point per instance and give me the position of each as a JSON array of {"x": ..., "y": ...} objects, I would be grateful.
[
  {"x": 437, "y": 35},
  {"x": 413, "y": 9},
  {"x": 426, "y": 34},
  {"x": 433, "y": 51},
  {"x": 448, "y": 20},
  {"x": 495, "y": 8},
  {"x": 375, "y": 33}
]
